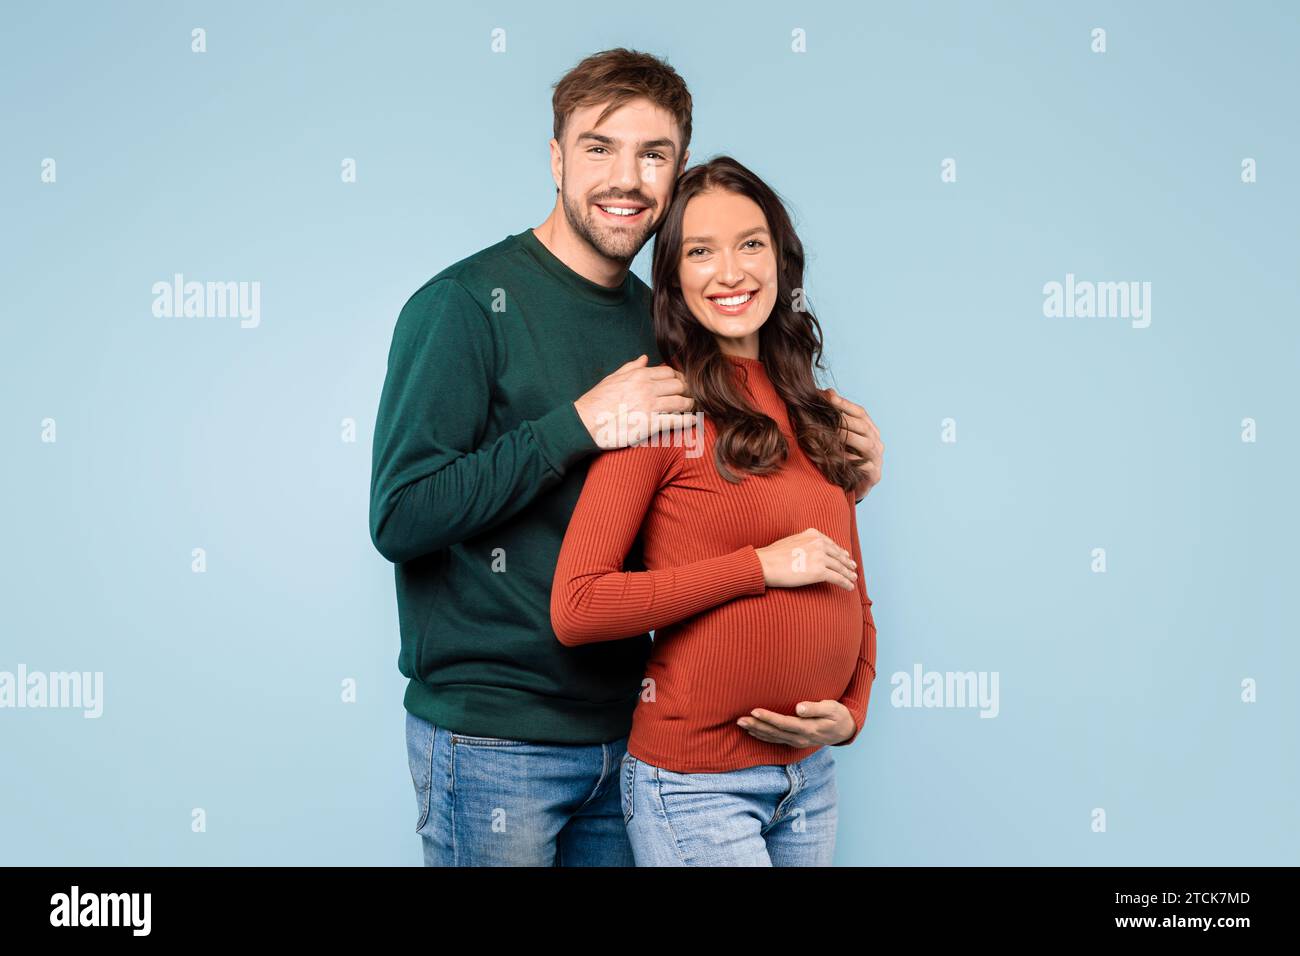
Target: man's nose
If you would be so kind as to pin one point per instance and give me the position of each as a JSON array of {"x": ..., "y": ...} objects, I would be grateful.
[{"x": 627, "y": 173}]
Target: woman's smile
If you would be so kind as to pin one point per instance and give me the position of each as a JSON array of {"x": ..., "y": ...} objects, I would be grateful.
[{"x": 733, "y": 303}]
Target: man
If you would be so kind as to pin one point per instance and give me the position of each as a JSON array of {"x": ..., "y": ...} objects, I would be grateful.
[{"x": 504, "y": 370}]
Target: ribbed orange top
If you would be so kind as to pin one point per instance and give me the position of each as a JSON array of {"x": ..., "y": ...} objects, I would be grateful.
[{"x": 724, "y": 642}]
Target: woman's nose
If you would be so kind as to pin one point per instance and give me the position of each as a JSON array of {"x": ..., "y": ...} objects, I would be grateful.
[{"x": 730, "y": 273}]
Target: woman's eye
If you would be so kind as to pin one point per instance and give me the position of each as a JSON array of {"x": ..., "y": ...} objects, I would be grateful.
[
  {"x": 695, "y": 250},
  {"x": 757, "y": 243}
]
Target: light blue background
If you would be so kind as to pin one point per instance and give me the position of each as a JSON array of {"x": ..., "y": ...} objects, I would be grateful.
[{"x": 222, "y": 690}]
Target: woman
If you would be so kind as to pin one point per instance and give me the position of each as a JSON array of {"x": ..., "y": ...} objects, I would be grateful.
[{"x": 754, "y": 585}]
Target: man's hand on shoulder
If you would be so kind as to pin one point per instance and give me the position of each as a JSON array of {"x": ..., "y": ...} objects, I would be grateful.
[
  {"x": 634, "y": 401},
  {"x": 863, "y": 438}
]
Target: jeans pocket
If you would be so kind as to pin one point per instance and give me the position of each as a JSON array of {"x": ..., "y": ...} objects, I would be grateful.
[
  {"x": 420, "y": 736},
  {"x": 629, "y": 780},
  {"x": 470, "y": 740},
  {"x": 673, "y": 781}
]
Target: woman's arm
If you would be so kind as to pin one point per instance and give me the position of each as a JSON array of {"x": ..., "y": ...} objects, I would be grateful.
[
  {"x": 858, "y": 694},
  {"x": 593, "y": 598}
]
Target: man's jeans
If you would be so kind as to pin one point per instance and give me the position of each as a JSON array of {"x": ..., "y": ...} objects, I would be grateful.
[
  {"x": 770, "y": 815},
  {"x": 486, "y": 801}
]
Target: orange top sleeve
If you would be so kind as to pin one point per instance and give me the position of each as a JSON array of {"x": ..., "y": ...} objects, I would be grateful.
[
  {"x": 593, "y": 598},
  {"x": 858, "y": 694}
]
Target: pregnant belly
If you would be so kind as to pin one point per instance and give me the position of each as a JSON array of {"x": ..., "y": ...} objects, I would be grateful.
[{"x": 772, "y": 650}]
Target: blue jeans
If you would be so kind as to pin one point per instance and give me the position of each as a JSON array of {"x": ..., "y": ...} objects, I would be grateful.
[
  {"x": 770, "y": 815},
  {"x": 487, "y": 801}
]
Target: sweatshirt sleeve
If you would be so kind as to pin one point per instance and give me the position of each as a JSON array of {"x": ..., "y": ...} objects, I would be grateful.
[
  {"x": 593, "y": 598},
  {"x": 858, "y": 694},
  {"x": 433, "y": 481}
]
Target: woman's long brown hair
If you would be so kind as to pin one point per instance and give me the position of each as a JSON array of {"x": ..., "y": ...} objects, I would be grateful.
[{"x": 790, "y": 343}]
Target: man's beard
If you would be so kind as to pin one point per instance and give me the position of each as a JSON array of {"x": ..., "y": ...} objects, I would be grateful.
[{"x": 612, "y": 242}]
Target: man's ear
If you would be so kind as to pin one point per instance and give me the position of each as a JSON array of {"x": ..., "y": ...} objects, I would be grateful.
[{"x": 557, "y": 163}]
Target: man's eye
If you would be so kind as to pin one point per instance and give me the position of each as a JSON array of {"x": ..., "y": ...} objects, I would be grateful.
[
  {"x": 595, "y": 148},
  {"x": 657, "y": 155}
]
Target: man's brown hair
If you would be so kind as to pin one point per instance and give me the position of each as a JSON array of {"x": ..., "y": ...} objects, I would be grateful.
[{"x": 619, "y": 76}]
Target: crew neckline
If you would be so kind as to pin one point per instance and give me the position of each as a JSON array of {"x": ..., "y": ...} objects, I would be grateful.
[
  {"x": 747, "y": 362},
  {"x": 579, "y": 284}
]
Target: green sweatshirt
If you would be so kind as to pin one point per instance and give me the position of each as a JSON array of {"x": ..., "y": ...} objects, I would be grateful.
[{"x": 478, "y": 459}]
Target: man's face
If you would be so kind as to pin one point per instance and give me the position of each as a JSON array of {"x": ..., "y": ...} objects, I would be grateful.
[{"x": 616, "y": 179}]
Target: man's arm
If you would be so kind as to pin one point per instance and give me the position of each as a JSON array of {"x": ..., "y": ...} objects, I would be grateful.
[{"x": 432, "y": 483}]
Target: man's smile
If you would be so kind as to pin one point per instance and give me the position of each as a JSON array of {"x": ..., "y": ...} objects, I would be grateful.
[{"x": 622, "y": 211}]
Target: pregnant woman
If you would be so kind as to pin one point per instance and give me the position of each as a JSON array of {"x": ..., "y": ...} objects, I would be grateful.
[{"x": 765, "y": 647}]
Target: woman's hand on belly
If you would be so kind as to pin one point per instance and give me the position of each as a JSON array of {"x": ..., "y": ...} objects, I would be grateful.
[
  {"x": 819, "y": 722},
  {"x": 808, "y": 557}
]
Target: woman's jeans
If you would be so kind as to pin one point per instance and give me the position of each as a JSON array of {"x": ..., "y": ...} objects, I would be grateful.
[
  {"x": 487, "y": 801},
  {"x": 770, "y": 815}
]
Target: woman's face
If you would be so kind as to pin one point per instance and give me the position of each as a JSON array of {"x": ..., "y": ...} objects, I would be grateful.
[{"x": 727, "y": 268}]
